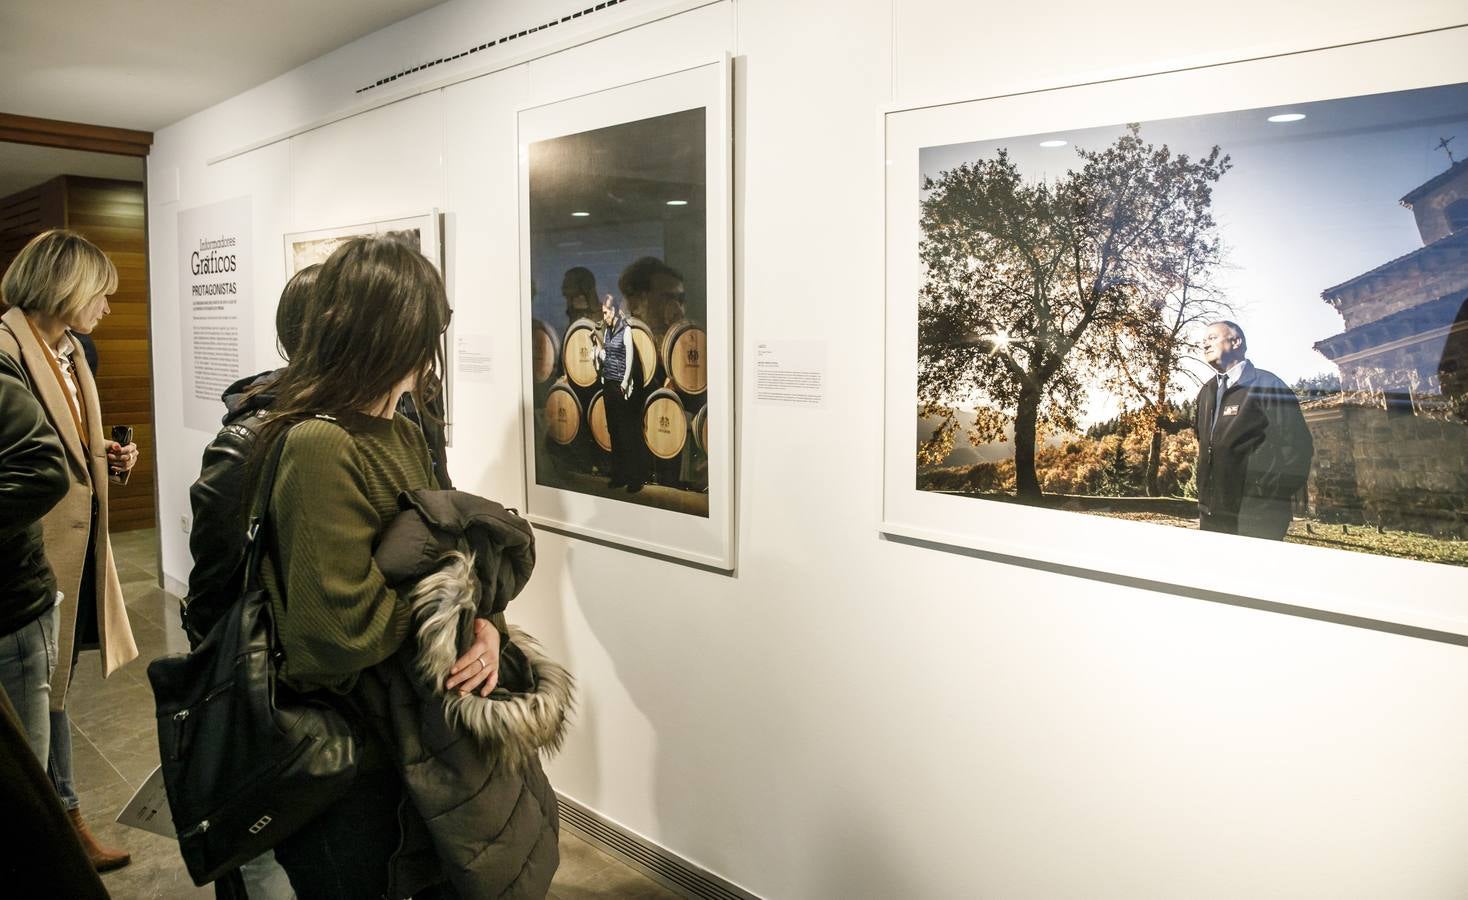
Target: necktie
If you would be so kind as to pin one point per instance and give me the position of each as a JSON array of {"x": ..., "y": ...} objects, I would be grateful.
[{"x": 1218, "y": 402}]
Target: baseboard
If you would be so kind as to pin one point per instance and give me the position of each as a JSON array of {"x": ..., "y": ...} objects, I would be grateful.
[{"x": 658, "y": 863}]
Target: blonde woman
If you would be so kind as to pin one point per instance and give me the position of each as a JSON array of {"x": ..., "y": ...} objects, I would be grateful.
[{"x": 57, "y": 286}]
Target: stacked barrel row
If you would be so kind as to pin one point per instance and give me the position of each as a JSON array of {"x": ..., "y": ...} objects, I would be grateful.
[{"x": 675, "y": 372}]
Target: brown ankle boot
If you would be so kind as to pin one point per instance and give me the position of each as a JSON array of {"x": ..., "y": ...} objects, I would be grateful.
[{"x": 102, "y": 858}]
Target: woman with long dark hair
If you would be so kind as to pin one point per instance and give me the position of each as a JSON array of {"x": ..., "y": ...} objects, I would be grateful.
[{"x": 373, "y": 331}]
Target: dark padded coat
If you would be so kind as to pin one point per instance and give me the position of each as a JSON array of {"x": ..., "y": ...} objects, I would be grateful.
[
  {"x": 33, "y": 479},
  {"x": 483, "y": 814}
]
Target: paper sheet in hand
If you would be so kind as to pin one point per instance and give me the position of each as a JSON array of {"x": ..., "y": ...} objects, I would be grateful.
[{"x": 148, "y": 809}]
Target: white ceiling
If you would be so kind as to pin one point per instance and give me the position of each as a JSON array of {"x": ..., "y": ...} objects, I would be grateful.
[{"x": 145, "y": 64}]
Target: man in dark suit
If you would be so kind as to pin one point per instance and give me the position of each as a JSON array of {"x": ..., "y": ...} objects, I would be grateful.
[{"x": 1254, "y": 448}]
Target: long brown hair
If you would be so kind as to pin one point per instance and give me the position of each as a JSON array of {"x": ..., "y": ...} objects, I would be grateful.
[
  {"x": 290, "y": 312},
  {"x": 377, "y": 314}
]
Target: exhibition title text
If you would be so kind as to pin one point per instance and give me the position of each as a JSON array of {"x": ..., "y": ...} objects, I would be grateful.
[{"x": 207, "y": 260}]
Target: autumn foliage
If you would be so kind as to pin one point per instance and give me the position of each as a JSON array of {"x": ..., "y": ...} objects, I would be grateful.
[{"x": 1112, "y": 466}]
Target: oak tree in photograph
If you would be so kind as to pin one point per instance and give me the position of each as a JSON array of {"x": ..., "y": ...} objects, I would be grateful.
[
  {"x": 1034, "y": 289},
  {"x": 1177, "y": 298}
]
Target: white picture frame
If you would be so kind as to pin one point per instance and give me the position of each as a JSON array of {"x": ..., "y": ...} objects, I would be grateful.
[
  {"x": 302, "y": 248},
  {"x": 703, "y": 539},
  {"x": 1351, "y": 585}
]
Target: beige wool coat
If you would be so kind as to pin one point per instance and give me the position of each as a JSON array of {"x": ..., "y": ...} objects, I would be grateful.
[{"x": 65, "y": 526}]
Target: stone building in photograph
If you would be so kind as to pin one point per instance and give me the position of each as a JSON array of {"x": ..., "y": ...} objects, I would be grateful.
[{"x": 1391, "y": 448}]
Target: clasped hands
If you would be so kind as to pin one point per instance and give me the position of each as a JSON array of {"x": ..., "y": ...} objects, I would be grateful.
[{"x": 478, "y": 670}]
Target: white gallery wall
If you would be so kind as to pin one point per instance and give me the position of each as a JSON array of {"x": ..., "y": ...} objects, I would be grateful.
[{"x": 847, "y": 716}]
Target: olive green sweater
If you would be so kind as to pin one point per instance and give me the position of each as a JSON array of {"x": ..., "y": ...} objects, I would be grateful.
[{"x": 335, "y": 492}]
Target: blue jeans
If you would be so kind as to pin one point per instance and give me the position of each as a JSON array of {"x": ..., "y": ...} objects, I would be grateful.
[
  {"x": 27, "y": 659},
  {"x": 58, "y": 764},
  {"x": 265, "y": 879}
]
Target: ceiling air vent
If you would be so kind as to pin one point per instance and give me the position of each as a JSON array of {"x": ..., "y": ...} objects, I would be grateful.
[{"x": 486, "y": 45}]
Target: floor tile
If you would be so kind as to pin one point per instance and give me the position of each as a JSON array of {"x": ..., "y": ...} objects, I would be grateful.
[
  {"x": 129, "y": 572},
  {"x": 90, "y": 769},
  {"x": 587, "y": 872}
]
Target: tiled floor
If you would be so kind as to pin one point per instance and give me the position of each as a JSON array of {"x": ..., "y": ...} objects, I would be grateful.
[{"x": 115, "y": 748}]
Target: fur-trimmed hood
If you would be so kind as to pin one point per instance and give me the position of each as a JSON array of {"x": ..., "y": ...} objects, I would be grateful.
[{"x": 526, "y": 713}]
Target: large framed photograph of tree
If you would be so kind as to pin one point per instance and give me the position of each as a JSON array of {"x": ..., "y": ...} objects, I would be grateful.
[
  {"x": 1205, "y": 328},
  {"x": 627, "y": 315}
]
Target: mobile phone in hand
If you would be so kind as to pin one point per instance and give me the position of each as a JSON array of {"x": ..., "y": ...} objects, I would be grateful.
[{"x": 122, "y": 435}]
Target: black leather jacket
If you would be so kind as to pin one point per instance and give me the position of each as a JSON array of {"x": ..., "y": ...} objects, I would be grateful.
[
  {"x": 33, "y": 479},
  {"x": 217, "y": 539}
]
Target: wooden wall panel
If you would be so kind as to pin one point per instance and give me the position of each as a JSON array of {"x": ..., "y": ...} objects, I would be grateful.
[
  {"x": 110, "y": 214},
  {"x": 26, "y": 214}
]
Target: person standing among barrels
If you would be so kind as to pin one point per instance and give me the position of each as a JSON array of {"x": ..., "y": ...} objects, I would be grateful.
[{"x": 621, "y": 380}]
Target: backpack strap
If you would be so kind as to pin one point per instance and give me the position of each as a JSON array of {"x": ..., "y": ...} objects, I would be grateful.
[{"x": 260, "y": 508}]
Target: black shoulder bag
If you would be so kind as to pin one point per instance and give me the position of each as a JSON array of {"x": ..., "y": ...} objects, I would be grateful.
[{"x": 246, "y": 760}]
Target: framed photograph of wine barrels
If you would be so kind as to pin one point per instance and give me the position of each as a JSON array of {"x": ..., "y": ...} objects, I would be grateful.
[
  {"x": 1204, "y": 329},
  {"x": 627, "y": 319}
]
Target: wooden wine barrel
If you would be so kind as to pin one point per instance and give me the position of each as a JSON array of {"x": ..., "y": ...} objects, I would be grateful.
[
  {"x": 596, "y": 421},
  {"x": 700, "y": 430},
  {"x": 578, "y": 352},
  {"x": 685, "y": 357},
  {"x": 646, "y": 348},
  {"x": 664, "y": 424},
  {"x": 545, "y": 352},
  {"x": 562, "y": 413}
]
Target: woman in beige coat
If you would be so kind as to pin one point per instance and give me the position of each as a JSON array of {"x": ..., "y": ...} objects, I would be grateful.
[{"x": 58, "y": 285}]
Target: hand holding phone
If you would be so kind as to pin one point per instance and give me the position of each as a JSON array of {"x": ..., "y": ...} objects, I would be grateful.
[{"x": 121, "y": 454}]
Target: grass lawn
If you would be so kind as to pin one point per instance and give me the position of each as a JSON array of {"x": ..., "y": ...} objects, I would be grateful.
[
  {"x": 1360, "y": 538},
  {"x": 1365, "y": 539},
  {"x": 1168, "y": 511}
]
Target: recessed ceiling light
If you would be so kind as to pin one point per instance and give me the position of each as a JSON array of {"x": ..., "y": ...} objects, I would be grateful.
[
  {"x": 1287, "y": 117},
  {"x": 677, "y": 202},
  {"x": 1054, "y": 143},
  {"x": 580, "y": 215}
]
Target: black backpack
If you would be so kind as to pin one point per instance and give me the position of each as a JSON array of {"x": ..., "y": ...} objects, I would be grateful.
[{"x": 246, "y": 760}]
